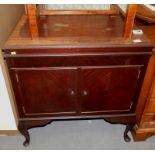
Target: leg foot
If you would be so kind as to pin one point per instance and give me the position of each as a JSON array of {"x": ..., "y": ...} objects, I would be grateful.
[
  {"x": 24, "y": 126},
  {"x": 27, "y": 138},
  {"x": 26, "y": 143},
  {"x": 128, "y": 128},
  {"x": 127, "y": 138},
  {"x": 24, "y": 131}
]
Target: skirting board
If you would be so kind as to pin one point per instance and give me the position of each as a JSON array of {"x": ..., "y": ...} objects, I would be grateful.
[{"x": 9, "y": 132}]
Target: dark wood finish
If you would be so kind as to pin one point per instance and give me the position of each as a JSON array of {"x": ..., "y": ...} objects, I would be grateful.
[
  {"x": 79, "y": 73},
  {"x": 62, "y": 60},
  {"x": 50, "y": 75},
  {"x": 52, "y": 90},
  {"x": 24, "y": 131},
  {"x": 24, "y": 126},
  {"x": 129, "y": 21},
  {"x": 75, "y": 31},
  {"x": 128, "y": 128},
  {"x": 102, "y": 87},
  {"x": 31, "y": 12},
  {"x": 60, "y": 81}
]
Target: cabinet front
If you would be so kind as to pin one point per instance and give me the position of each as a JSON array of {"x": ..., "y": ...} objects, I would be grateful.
[
  {"x": 58, "y": 85},
  {"x": 45, "y": 91},
  {"x": 108, "y": 89}
]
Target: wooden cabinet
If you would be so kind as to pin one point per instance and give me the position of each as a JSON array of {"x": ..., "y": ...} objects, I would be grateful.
[
  {"x": 83, "y": 85},
  {"x": 78, "y": 73}
]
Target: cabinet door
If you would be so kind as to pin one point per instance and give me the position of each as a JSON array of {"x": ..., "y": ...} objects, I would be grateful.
[
  {"x": 45, "y": 91},
  {"x": 108, "y": 89}
]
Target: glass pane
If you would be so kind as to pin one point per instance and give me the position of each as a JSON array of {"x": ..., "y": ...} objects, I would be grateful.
[{"x": 77, "y": 6}]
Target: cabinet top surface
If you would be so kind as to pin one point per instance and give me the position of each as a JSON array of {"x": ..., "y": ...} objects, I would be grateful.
[{"x": 74, "y": 31}]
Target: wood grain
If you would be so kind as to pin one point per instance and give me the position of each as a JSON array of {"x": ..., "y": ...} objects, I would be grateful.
[
  {"x": 104, "y": 86},
  {"x": 32, "y": 20},
  {"x": 146, "y": 14},
  {"x": 75, "y": 12},
  {"x": 147, "y": 83},
  {"x": 54, "y": 89},
  {"x": 129, "y": 21},
  {"x": 80, "y": 67},
  {"x": 74, "y": 31}
]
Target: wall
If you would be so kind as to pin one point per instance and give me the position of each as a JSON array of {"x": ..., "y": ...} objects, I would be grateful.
[{"x": 9, "y": 15}]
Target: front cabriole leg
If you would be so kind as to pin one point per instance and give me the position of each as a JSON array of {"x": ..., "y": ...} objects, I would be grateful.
[
  {"x": 128, "y": 119},
  {"x": 24, "y": 131},
  {"x": 128, "y": 128},
  {"x": 25, "y": 125},
  {"x": 27, "y": 138}
]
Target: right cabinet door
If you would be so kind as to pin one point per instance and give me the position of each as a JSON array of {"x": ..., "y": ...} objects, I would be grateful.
[{"x": 108, "y": 89}]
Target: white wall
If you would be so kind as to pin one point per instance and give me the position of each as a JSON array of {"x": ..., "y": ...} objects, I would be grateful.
[
  {"x": 9, "y": 16},
  {"x": 7, "y": 119}
]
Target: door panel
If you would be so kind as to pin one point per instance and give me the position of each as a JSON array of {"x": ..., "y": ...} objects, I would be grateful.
[
  {"x": 46, "y": 91},
  {"x": 108, "y": 89}
]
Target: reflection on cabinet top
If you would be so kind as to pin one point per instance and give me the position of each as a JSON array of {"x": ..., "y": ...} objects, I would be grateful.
[{"x": 73, "y": 31}]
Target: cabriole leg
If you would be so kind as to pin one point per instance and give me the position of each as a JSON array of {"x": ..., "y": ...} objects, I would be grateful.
[
  {"x": 24, "y": 131},
  {"x": 27, "y": 138},
  {"x": 127, "y": 129}
]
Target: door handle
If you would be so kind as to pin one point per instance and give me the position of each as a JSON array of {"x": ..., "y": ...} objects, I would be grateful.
[
  {"x": 72, "y": 93},
  {"x": 85, "y": 93}
]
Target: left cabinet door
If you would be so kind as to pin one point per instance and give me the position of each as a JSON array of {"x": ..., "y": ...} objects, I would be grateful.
[{"x": 45, "y": 91}]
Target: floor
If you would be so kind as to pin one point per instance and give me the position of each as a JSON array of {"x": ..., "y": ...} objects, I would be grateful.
[{"x": 77, "y": 135}]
